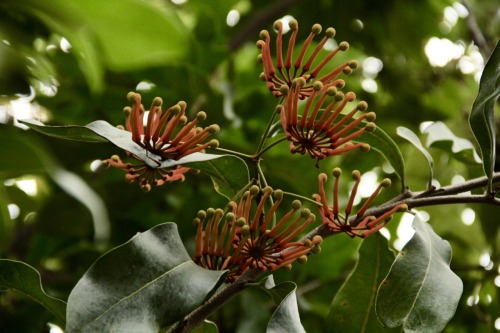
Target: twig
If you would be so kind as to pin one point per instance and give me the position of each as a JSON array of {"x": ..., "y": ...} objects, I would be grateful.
[{"x": 476, "y": 33}]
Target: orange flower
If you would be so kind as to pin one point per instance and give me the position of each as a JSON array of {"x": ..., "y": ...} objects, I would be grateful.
[
  {"x": 287, "y": 69},
  {"x": 323, "y": 132},
  {"x": 358, "y": 225},
  {"x": 166, "y": 134},
  {"x": 245, "y": 240}
]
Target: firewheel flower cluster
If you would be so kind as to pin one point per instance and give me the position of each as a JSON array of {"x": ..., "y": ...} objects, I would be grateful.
[
  {"x": 164, "y": 133},
  {"x": 245, "y": 238},
  {"x": 287, "y": 68},
  {"x": 360, "y": 224},
  {"x": 319, "y": 128}
]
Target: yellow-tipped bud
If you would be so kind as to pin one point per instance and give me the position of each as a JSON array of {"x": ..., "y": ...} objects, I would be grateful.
[
  {"x": 245, "y": 230},
  {"x": 403, "y": 208},
  {"x": 278, "y": 194},
  {"x": 302, "y": 259},
  {"x": 131, "y": 96},
  {"x": 278, "y": 109},
  {"x": 322, "y": 177},
  {"x": 365, "y": 147},
  {"x": 263, "y": 34},
  {"x": 259, "y": 60},
  {"x": 293, "y": 24},
  {"x": 287, "y": 267},
  {"x": 305, "y": 213},
  {"x": 330, "y": 32},
  {"x": 212, "y": 129},
  {"x": 296, "y": 204},
  {"x": 356, "y": 175},
  {"x": 213, "y": 144},
  {"x": 196, "y": 221},
  {"x": 127, "y": 111},
  {"x": 202, "y": 115},
  {"x": 318, "y": 85},
  {"x": 254, "y": 190},
  {"x": 339, "y": 96},
  {"x": 331, "y": 91},
  {"x": 157, "y": 101},
  {"x": 201, "y": 214},
  {"x": 230, "y": 217},
  {"x": 370, "y": 127},
  {"x": 260, "y": 44},
  {"x": 267, "y": 190},
  {"x": 386, "y": 183},
  {"x": 316, "y": 249},
  {"x": 371, "y": 116},
  {"x": 210, "y": 212},
  {"x": 284, "y": 89},
  {"x": 316, "y": 29},
  {"x": 298, "y": 82},
  {"x": 337, "y": 172},
  {"x": 362, "y": 106},
  {"x": 353, "y": 64},
  {"x": 146, "y": 187},
  {"x": 115, "y": 158},
  {"x": 344, "y": 46},
  {"x": 240, "y": 222},
  {"x": 347, "y": 70},
  {"x": 307, "y": 243}
]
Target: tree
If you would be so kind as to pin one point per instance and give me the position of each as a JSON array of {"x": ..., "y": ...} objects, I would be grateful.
[{"x": 304, "y": 177}]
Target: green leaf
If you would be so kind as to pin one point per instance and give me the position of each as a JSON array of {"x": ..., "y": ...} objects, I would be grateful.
[
  {"x": 482, "y": 118},
  {"x": 229, "y": 174},
  {"x": 353, "y": 308},
  {"x": 145, "y": 284},
  {"x": 71, "y": 132},
  {"x": 101, "y": 35},
  {"x": 286, "y": 317},
  {"x": 420, "y": 292},
  {"x": 385, "y": 145},
  {"x": 23, "y": 278},
  {"x": 440, "y": 136},
  {"x": 407, "y": 134}
]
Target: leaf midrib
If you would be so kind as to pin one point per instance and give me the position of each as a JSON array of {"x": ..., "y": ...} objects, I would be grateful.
[{"x": 135, "y": 292}]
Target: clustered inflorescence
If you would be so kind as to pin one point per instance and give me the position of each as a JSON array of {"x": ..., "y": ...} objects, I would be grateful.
[
  {"x": 317, "y": 121},
  {"x": 360, "y": 224},
  {"x": 167, "y": 134},
  {"x": 249, "y": 239}
]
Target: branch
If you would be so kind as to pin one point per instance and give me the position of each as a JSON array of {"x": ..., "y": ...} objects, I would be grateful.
[
  {"x": 220, "y": 298},
  {"x": 476, "y": 33}
]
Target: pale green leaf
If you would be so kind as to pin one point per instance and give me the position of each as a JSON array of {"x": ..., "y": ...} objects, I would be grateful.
[
  {"x": 353, "y": 308},
  {"x": 420, "y": 292},
  {"x": 482, "y": 118},
  {"x": 407, "y": 134},
  {"x": 23, "y": 278}
]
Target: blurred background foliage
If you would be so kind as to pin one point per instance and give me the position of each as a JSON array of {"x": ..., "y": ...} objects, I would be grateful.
[{"x": 72, "y": 62}]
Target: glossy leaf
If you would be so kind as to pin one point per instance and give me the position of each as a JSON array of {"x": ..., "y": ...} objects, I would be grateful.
[
  {"x": 23, "y": 278},
  {"x": 286, "y": 317},
  {"x": 145, "y": 284},
  {"x": 228, "y": 173},
  {"x": 420, "y": 292},
  {"x": 101, "y": 35},
  {"x": 70, "y": 132},
  {"x": 482, "y": 118},
  {"x": 353, "y": 308},
  {"x": 440, "y": 136},
  {"x": 408, "y": 135},
  {"x": 385, "y": 145}
]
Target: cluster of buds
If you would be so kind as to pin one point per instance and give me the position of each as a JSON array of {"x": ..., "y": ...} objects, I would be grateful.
[
  {"x": 245, "y": 238},
  {"x": 167, "y": 134},
  {"x": 322, "y": 130},
  {"x": 356, "y": 225},
  {"x": 283, "y": 74}
]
